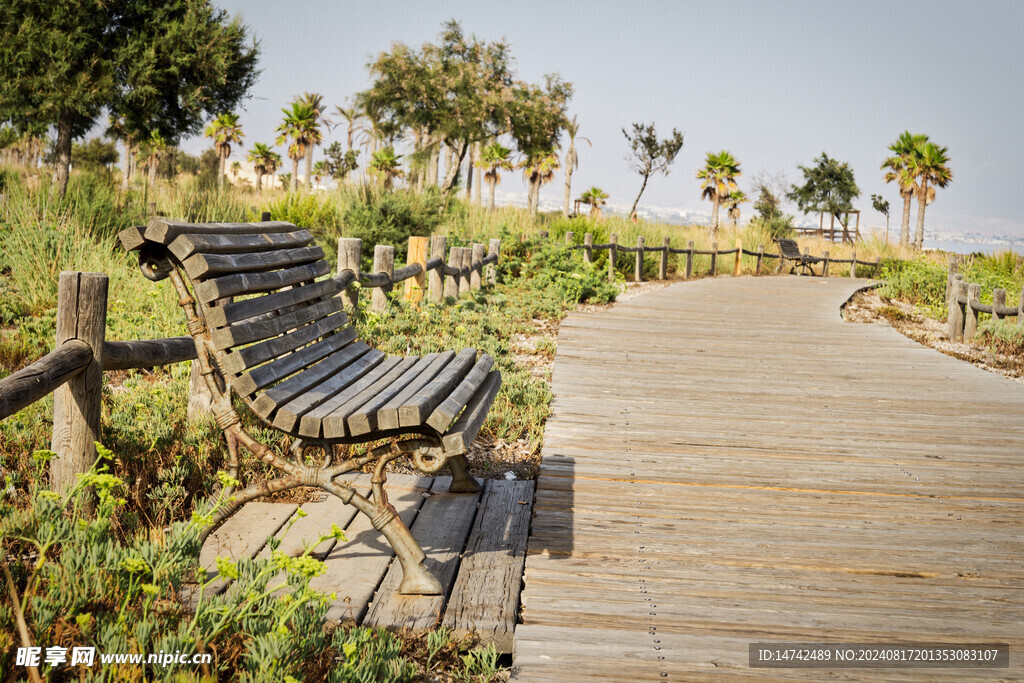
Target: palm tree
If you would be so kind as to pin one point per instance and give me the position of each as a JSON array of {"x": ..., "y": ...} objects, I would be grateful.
[
  {"x": 315, "y": 102},
  {"x": 353, "y": 117},
  {"x": 571, "y": 161},
  {"x": 597, "y": 198},
  {"x": 261, "y": 157},
  {"x": 299, "y": 124},
  {"x": 718, "y": 181},
  {"x": 319, "y": 171},
  {"x": 930, "y": 166},
  {"x": 155, "y": 147},
  {"x": 734, "y": 200},
  {"x": 235, "y": 168},
  {"x": 897, "y": 169},
  {"x": 493, "y": 160},
  {"x": 225, "y": 131},
  {"x": 385, "y": 165},
  {"x": 538, "y": 169}
]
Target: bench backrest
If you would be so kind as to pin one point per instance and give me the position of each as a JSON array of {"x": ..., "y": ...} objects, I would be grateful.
[
  {"x": 789, "y": 247},
  {"x": 256, "y": 285}
]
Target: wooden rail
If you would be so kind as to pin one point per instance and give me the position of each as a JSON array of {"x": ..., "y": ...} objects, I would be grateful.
[{"x": 963, "y": 302}]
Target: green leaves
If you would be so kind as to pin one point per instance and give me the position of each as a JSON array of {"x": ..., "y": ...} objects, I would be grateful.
[{"x": 828, "y": 186}]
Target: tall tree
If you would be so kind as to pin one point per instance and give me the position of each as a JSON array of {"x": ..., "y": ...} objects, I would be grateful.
[
  {"x": 829, "y": 187},
  {"x": 493, "y": 160},
  {"x": 596, "y": 198},
  {"x": 298, "y": 125},
  {"x": 64, "y": 63},
  {"x": 572, "y": 161},
  {"x": 718, "y": 181},
  {"x": 538, "y": 116},
  {"x": 648, "y": 155},
  {"x": 881, "y": 205},
  {"x": 340, "y": 162},
  {"x": 315, "y": 102},
  {"x": 261, "y": 157},
  {"x": 897, "y": 170},
  {"x": 385, "y": 165},
  {"x": 539, "y": 170},
  {"x": 930, "y": 166},
  {"x": 154, "y": 148},
  {"x": 734, "y": 200},
  {"x": 225, "y": 130},
  {"x": 353, "y": 118}
]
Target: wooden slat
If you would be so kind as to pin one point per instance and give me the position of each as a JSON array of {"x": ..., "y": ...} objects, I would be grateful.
[
  {"x": 240, "y": 359},
  {"x": 461, "y": 435},
  {"x": 387, "y": 415},
  {"x": 443, "y": 415},
  {"x": 355, "y": 569},
  {"x": 219, "y": 316},
  {"x": 184, "y": 246},
  {"x": 267, "y": 402},
  {"x": 205, "y": 265},
  {"x": 364, "y": 419},
  {"x": 441, "y": 528},
  {"x": 321, "y": 515},
  {"x": 276, "y": 370},
  {"x": 339, "y": 406},
  {"x": 165, "y": 231},
  {"x": 289, "y": 414},
  {"x": 485, "y": 597},
  {"x": 132, "y": 238},
  {"x": 244, "y": 333},
  {"x": 255, "y": 283},
  {"x": 415, "y": 410}
]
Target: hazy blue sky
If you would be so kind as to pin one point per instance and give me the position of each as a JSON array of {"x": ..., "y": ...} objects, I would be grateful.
[{"x": 776, "y": 83}]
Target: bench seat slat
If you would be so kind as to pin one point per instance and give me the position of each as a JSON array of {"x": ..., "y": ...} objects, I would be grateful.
[
  {"x": 204, "y": 265},
  {"x": 364, "y": 419},
  {"x": 289, "y": 415},
  {"x": 236, "y": 311},
  {"x": 416, "y": 408},
  {"x": 255, "y": 283},
  {"x": 164, "y": 230},
  {"x": 449, "y": 409},
  {"x": 271, "y": 399},
  {"x": 241, "y": 359},
  {"x": 336, "y": 424},
  {"x": 311, "y": 423},
  {"x": 276, "y": 370},
  {"x": 458, "y": 439},
  {"x": 387, "y": 415},
  {"x": 245, "y": 333},
  {"x": 184, "y": 246}
]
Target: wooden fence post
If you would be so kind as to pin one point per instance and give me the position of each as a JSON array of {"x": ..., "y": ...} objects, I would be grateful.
[
  {"x": 570, "y": 236},
  {"x": 663, "y": 265},
  {"x": 739, "y": 254},
  {"x": 82, "y": 315},
  {"x": 971, "y": 315},
  {"x": 435, "y": 285},
  {"x": 383, "y": 262},
  {"x": 760, "y": 258},
  {"x": 451, "y": 284},
  {"x": 638, "y": 269},
  {"x": 998, "y": 299},
  {"x": 475, "y": 269},
  {"x": 689, "y": 259},
  {"x": 714, "y": 259},
  {"x": 467, "y": 262},
  {"x": 494, "y": 247},
  {"x": 265, "y": 216},
  {"x": 612, "y": 253},
  {"x": 1020, "y": 308},
  {"x": 853, "y": 262},
  {"x": 955, "y": 312},
  {"x": 824, "y": 267},
  {"x": 543, "y": 234},
  {"x": 588, "y": 252},
  {"x": 415, "y": 285},
  {"x": 350, "y": 250},
  {"x": 952, "y": 268}
]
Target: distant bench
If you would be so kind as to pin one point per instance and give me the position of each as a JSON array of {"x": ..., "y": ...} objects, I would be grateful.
[
  {"x": 789, "y": 250},
  {"x": 267, "y": 328}
]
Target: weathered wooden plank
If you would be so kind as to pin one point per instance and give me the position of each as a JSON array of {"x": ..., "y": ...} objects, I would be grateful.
[
  {"x": 321, "y": 515},
  {"x": 245, "y": 333},
  {"x": 350, "y": 400},
  {"x": 462, "y": 434},
  {"x": 416, "y": 408},
  {"x": 255, "y": 283},
  {"x": 312, "y": 422},
  {"x": 276, "y": 370},
  {"x": 267, "y": 402},
  {"x": 289, "y": 414},
  {"x": 485, "y": 597},
  {"x": 184, "y": 246},
  {"x": 364, "y": 419},
  {"x": 219, "y": 316},
  {"x": 242, "y": 358},
  {"x": 205, "y": 265},
  {"x": 355, "y": 569},
  {"x": 132, "y": 238},
  {"x": 387, "y": 415},
  {"x": 165, "y": 230},
  {"x": 441, "y": 528},
  {"x": 443, "y": 415},
  {"x": 28, "y": 385}
]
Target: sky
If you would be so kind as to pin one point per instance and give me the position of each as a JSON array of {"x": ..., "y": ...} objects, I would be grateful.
[{"x": 774, "y": 83}]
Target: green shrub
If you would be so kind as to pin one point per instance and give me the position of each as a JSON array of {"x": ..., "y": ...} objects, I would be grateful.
[
  {"x": 1002, "y": 337},
  {"x": 919, "y": 281},
  {"x": 378, "y": 217}
]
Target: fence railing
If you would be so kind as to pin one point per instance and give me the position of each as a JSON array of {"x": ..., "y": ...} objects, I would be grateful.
[{"x": 963, "y": 301}]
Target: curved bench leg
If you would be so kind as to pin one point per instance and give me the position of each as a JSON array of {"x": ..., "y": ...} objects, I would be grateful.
[{"x": 462, "y": 482}]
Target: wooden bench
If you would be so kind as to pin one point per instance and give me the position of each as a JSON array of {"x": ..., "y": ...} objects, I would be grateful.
[
  {"x": 270, "y": 327},
  {"x": 790, "y": 251}
]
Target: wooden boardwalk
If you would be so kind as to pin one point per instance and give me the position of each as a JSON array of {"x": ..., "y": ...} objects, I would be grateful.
[
  {"x": 475, "y": 545},
  {"x": 729, "y": 462}
]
